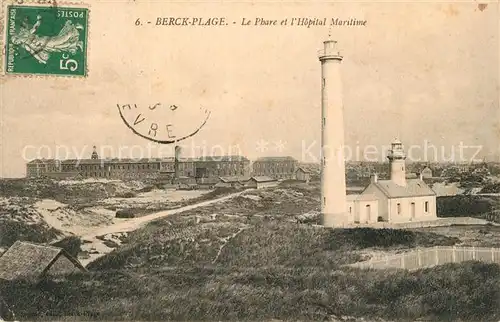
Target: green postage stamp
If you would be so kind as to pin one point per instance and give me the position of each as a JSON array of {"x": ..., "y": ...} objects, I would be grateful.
[{"x": 46, "y": 40}]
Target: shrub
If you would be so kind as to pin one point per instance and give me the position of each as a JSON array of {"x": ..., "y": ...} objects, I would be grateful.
[
  {"x": 463, "y": 206},
  {"x": 128, "y": 194},
  {"x": 11, "y": 231},
  {"x": 71, "y": 244},
  {"x": 126, "y": 213}
]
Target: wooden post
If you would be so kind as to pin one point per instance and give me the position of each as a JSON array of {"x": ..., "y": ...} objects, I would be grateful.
[
  {"x": 419, "y": 258},
  {"x": 473, "y": 253},
  {"x": 454, "y": 254},
  {"x": 403, "y": 256},
  {"x": 492, "y": 254},
  {"x": 436, "y": 256}
]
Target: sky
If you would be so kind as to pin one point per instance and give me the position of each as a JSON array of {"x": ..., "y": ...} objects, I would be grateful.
[{"x": 426, "y": 73}]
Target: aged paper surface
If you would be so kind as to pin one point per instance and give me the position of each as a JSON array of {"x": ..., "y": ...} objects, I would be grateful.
[{"x": 171, "y": 160}]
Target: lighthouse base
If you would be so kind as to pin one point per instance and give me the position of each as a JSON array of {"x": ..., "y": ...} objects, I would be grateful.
[{"x": 338, "y": 220}]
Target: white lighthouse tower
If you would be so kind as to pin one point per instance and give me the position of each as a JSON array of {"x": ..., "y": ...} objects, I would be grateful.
[
  {"x": 333, "y": 186},
  {"x": 397, "y": 159}
]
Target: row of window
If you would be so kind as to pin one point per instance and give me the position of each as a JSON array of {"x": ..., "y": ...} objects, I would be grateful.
[
  {"x": 100, "y": 174},
  {"x": 412, "y": 205},
  {"x": 368, "y": 209},
  {"x": 426, "y": 207},
  {"x": 212, "y": 173},
  {"x": 273, "y": 165},
  {"x": 153, "y": 166},
  {"x": 269, "y": 171},
  {"x": 148, "y": 166}
]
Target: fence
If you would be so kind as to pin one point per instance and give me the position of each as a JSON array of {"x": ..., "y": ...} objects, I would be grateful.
[{"x": 429, "y": 257}]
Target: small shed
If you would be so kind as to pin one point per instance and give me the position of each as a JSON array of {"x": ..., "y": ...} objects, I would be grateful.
[
  {"x": 28, "y": 261},
  {"x": 260, "y": 182},
  {"x": 302, "y": 175}
]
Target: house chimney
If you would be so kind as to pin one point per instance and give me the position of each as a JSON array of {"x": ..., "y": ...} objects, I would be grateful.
[{"x": 374, "y": 178}]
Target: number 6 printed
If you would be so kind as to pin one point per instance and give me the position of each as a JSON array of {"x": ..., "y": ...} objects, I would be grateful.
[{"x": 70, "y": 64}]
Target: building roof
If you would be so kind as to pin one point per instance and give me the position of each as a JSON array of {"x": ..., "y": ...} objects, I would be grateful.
[
  {"x": 110, "y": 161},
  {"x": 222, "y": 158},
  {"x": 361, "y": 197},
  {"x": 303, "y": 170},
  {"x": 30, "y": 261},
  {"x": 287, "y": 158},
  {"x": 413, "y": 188},
  {"x": 44, "y": 161},
  {"x": 230, "y": 179},
  {"x": 263, "y": 179},
  {"x": 139, "y": 160}
]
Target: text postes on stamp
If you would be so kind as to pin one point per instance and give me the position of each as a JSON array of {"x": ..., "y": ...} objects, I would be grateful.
[
  {"x": 163, "y": 123},
  {"x": 46, "y": 40}
]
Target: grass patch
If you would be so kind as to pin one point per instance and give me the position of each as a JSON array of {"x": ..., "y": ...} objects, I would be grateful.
[
  {"x": 11, "y": 231},
  {"x": 246, "y": 244},
  {"x": 484, "y": 207},
  {"x": 469, "y": 291}
]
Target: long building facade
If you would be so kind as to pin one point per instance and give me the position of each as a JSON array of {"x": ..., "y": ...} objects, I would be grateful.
[
  {"x": 275, "y": 167},
  {"x": 150, "y": 168}
]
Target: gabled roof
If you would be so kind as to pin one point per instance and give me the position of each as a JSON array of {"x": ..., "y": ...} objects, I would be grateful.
[
  {"x": 263, "y": 179},
  {"x": 30, "y": 261},
  {"x": 303, "y": 170},
  {"x": 44, "y": 161},
  {"x": 413, "y": 188},
  {"x": 231, "y": 179}
]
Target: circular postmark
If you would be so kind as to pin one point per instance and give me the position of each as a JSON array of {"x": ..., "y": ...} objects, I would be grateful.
[{"x": 163, "y": 123}]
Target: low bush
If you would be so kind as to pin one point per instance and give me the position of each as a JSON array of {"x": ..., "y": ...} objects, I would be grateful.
[
  {"x": 128, "y": 194},
  {"x": 463, "y": 206},
  {"x": 12, "y": 231},
  {"x": 126, "y": 213},
  {"x": 71, "y": 244}
]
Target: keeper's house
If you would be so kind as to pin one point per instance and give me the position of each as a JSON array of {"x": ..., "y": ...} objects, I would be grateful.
[{"x": 401, "y": 199}]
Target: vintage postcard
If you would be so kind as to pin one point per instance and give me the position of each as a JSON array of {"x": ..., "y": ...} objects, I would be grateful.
[{"x": 249, "y": 160}]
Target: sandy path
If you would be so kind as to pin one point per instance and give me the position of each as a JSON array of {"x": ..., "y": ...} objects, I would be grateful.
[{"x": 128, "y": 225}]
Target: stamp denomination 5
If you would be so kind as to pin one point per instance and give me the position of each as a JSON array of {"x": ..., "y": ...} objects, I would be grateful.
[{"x": 46, "y": 40}]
